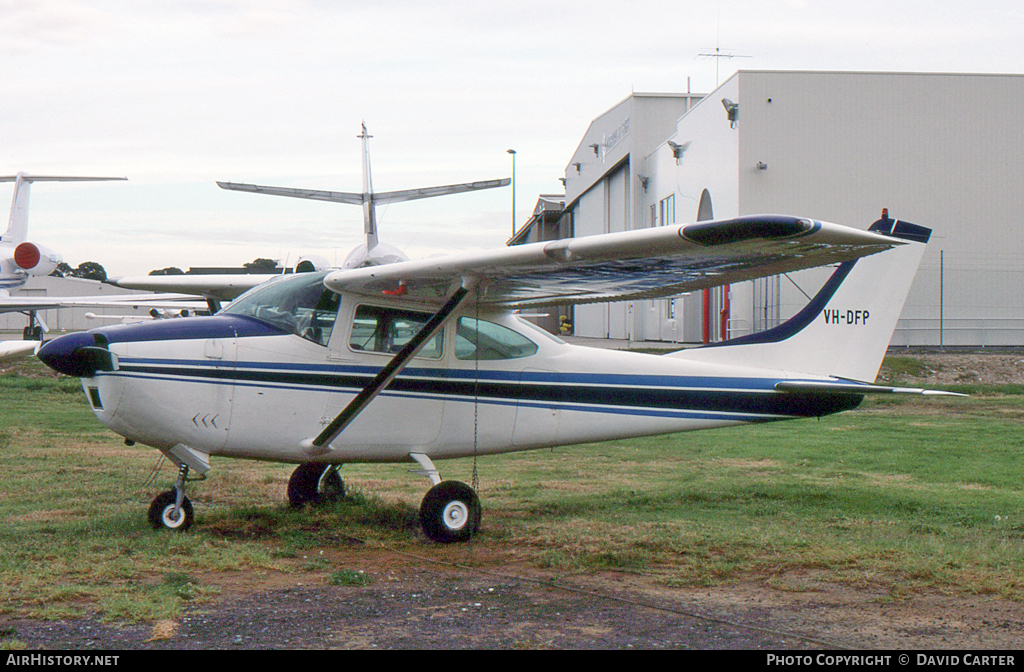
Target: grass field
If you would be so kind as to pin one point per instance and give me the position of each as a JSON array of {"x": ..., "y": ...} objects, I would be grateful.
[{"x": 909, "y": 495}]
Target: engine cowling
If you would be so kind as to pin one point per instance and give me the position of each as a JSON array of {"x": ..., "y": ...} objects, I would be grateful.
[
  {"x": 311, "y": 263},
  {"x": 36, "y": 259}
]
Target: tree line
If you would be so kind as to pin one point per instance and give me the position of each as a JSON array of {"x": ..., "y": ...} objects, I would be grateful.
[{"x": 90, "y": 270}]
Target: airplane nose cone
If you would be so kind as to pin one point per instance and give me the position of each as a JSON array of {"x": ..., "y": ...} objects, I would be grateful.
[{"x": 76, "y": 354}]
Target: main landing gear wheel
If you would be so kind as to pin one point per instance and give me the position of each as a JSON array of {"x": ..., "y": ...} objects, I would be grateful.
[
  {"x": 164, "y": 512},
  {"x": 315, "y": 483},
  {"x": 450, "y": 512}
]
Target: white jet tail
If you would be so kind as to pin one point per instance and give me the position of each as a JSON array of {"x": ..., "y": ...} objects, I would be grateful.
[
  {"x": 17, "y": 225},
  {"x": 845, "y": 330}
]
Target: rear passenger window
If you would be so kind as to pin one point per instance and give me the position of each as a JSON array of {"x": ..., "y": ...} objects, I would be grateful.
[
  {"x": 479, "y": 339},
  {"x": 387, "y": 330}
]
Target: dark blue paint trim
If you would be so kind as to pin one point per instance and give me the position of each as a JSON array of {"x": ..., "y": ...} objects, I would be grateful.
[
  {"x": 897, "y": 228},
  {"x": 759, "y": 400},
  {"x": 676, "y": 414},
  {"x": 758, "y": 227},
  {"x": 801, "y": 320},
  {"x": 550, "y": 377},
  {"x": 188, "y": 328}
]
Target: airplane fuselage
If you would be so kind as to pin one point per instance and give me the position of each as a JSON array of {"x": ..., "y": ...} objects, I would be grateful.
[{"x": 233, "y": 385}]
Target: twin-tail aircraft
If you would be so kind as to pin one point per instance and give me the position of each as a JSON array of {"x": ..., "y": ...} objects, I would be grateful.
[
  {"x": 392, "y": 360},
  {"x": 21, "y": 258}
]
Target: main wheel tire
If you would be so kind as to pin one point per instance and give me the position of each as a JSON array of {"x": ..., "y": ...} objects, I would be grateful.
[
  {"x": 164, "y": 515},
  {"x": 450, "y": 512},
  {"x": 314, "y": 483}
]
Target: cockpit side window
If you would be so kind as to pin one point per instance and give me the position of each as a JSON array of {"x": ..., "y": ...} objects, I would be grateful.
[
  {"x": 387, "y": 330},
  {"x": 479, "y": 339},
  {"x": 299, "y": 304}
]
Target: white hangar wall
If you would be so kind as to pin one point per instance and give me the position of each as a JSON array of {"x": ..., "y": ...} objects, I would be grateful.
[{"x": 944, "y": 151}]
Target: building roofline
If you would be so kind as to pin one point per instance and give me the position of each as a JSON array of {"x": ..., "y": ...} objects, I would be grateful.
[{"x": 877, "y": 72}]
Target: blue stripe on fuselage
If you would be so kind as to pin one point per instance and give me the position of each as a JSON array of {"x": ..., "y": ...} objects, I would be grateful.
[{"x": 654, "y": 394}]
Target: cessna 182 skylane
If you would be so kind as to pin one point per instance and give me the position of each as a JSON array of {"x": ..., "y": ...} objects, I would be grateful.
[
  {"x": 21, "y": 258},
  {"x": 426, "y": 360}
]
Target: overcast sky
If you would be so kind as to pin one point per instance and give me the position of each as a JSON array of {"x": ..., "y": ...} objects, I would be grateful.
[{"x": 177, "y": 94}]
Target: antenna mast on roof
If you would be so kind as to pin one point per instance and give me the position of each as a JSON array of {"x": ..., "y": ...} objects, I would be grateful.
[{"x": 717, "y": 53}]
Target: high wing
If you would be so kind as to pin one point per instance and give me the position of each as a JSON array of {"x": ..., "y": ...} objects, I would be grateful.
[
  {"x": 18, "y": 304},
  {"x": 646, "y": 263},
  {"x": 10, "y": 350},
  {"x": 216, "y": 287}
]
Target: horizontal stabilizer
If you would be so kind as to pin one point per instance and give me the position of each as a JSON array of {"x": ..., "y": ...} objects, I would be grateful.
[
  {"x": 56, "y": 178},
  {"x": 430, "y": 192},
  {"x": 332, "y": 196},
  {"x": 799, "y": 386},
  {"x": 353, "y": 198}
]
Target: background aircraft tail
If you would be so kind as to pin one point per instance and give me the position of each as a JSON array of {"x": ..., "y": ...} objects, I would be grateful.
[
  {"x": 17, "y": 225},
  {"x": 845, "y": 329}
]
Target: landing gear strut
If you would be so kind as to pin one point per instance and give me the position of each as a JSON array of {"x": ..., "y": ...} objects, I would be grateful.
[
  {"x": 315, "y": 483},
  {"x": 172, "y": 510},
  {"x": 34, "y": 330},
  {"x": 450, "y": 511}
]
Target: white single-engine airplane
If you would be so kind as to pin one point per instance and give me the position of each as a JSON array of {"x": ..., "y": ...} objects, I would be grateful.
[
  {"x": 426, "y": 360},
  {"x": 21, "y": 258}
]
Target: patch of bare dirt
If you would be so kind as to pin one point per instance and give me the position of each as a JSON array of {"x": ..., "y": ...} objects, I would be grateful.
[
  {"x": 484, "y": 601},
  {"x": 956, "y": 368}
]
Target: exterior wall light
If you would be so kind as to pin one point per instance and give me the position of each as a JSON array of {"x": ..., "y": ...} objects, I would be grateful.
[{"x": 732, "y": 109}]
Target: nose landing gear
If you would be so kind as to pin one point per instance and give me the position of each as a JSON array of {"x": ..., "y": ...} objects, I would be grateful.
[
  {"x": 172, "y": 510},
  {"x": 314, "y": 483}
]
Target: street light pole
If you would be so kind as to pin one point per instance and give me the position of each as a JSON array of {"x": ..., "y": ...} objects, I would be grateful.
[{"x": 513, "y": 153}]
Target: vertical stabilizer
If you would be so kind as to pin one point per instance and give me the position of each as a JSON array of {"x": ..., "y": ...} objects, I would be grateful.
[
  {"x": 845, "y": 330},
  {"x": 17, "y": 225},
  {"x": 369, "y": 207}
]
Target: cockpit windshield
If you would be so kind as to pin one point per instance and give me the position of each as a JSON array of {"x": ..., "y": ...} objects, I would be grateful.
[{"x": 299, "y": 304}]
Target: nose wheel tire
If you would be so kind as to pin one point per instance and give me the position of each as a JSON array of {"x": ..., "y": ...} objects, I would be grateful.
[
  {"x": 165, "y": 514},
  {"x": 314, "y": 483},
  {"x": 450, "y": 512}
]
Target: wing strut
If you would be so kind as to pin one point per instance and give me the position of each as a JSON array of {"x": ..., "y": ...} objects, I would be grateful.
[{"x": 389, "y": 372}]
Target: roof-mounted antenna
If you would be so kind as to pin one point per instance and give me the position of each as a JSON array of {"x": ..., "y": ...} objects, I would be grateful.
[{"x": 717, "y": 53}]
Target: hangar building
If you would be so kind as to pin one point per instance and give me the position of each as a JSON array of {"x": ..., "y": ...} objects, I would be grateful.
[{"x": 944, "y": 151}]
